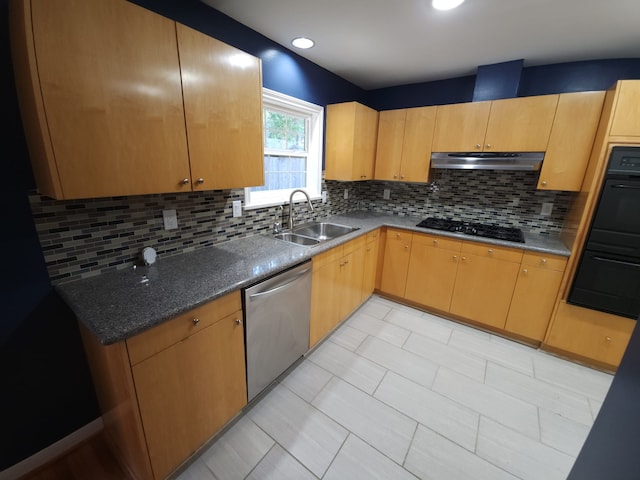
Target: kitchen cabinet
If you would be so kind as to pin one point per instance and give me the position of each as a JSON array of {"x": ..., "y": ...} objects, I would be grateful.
[
  {"x": 590, "y": 335},
  {"x": 404, "y": 144},
  {"x": 514, "y": 124},
  {"x": 571, "y": 140},
  {"x": 626, "y": 121},
  {"x": 222, "y": 90},
  {"x": 168, "y": 390},
  {"x": 101, "y": 121},
  {"x": 396, "y": 262},
  {"x": 485, "y": 280},
  {"x": 351, "y": 135},
  {"x": 432, "y": 270},
  {"x": 535, "y": 295},
  {"x": 336, "y": 286},
  {"x": 370, "y": 264}
]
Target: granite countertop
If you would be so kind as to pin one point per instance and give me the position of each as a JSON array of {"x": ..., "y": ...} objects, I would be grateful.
[{"x": 117, "y": 305}]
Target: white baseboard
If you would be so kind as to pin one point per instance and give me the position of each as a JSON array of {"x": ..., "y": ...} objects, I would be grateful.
[{"x": 53, "y": 451}]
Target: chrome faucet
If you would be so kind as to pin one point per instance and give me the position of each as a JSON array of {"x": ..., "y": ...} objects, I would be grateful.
[{"x": 291, "y": 205}]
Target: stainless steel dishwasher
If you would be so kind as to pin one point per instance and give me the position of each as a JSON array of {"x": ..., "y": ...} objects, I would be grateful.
[{"x": 276, "y": 313}]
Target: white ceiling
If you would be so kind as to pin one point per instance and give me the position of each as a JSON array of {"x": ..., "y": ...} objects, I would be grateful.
[{"x": 381, "y": 43}]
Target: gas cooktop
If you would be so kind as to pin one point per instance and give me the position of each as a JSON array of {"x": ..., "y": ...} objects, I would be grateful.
[{"x": 477, "y": 229}]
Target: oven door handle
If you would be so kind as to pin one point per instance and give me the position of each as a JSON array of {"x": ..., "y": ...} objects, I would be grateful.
[
  {"x": 630, "y": 264},
  {"x": 621, "y": 185}
]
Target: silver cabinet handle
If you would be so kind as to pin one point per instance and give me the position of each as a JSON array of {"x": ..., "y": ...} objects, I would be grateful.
[
  {"x": 543, "y": 183},
  {"x": 196, "y": 321},
  {"x": 200, "y": 181},
  {"x": 238, "y": 321},
  {"x": 185, "y": 181}
]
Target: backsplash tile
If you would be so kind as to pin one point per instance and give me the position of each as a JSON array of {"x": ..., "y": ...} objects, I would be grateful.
[{"x": 82, "y": 238}]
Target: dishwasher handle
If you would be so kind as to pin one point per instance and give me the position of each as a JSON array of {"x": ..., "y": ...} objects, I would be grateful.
[{"x": 279, "y": 287}]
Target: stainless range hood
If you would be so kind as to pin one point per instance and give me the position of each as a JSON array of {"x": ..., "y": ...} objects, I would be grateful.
[{"x": 528, "y": 161}]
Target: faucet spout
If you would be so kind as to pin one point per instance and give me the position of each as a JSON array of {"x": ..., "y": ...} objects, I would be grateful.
[{"x": 291, "y": 205}]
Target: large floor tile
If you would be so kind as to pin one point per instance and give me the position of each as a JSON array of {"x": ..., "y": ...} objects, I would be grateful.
[
  {"x": 562, "y": 433},
  {"x": 348, "y": 337},
  {"x": 307, "y": 434},
  {"x": 279, "y": 465},
  {"x": 243, "y": 446},
  {"x": 410, "y": 365},
  {"x": 378, "y": 328},
  {"x": 376, "y": 307},
  {"x": 488, "y": 401},
  {"x": 349, "y": 366},
  {"x": 511, "y": 356},
  {"x": 542, "y": 394},
  {"x": 520, "y": 455},
  {"x": 376, "y": 423},
  {"x": 470, "y": 365},
  {"x": 358, "y": 460},
  {"x": 306, "y": 380},
  {"x": 433, "y": 457},
  {"x": 586, "y": 381},
  {"x": 198, "y": 470},
  {"x": 453, "y": 421},
  {"x": 416, "y": 322}
]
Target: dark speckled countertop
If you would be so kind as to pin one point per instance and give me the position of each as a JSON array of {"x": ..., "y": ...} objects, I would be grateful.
[{"x": 117, "y": 305}]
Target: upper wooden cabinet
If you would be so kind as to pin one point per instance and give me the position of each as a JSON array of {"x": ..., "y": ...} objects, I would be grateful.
[
  {"x": 222, "y": 89},
  {"x": 351, "y": 133},
  {"x": 404, "y": 144},
  {"x": 571, "y": 140},
  {"x": 626, "y": 121},
  {"x": 100, "y": 88},
  {"x": 515, "y": 124}
]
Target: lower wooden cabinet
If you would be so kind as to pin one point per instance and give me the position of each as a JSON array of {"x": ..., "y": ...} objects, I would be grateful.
[
  {"x": 336, "y": 287},
  {"x": 370, "y": 264},
  {"x": 535, "y": 295},
  {"x": 432, "y": 270},
  {"x": 396, "y": 261},
  {"x": 589, "y": 334},
  {"x": 485, "y": 282},
  {"x": 182, "y": 380}
]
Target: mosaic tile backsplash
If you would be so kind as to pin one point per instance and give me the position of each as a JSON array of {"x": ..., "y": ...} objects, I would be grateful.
[{"x": 82, "y": 238}]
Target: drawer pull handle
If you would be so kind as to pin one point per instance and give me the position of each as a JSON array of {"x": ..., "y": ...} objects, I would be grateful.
[
  {"x": 435, "y": 242},
  {"x": 196, "y": 321},
  {"x": 238, "y": 321},
  {"x": 608, "y": 339},
  {"x": 490, "y": 250},
  {"x": 525, "y": 271},
  {"x": 543, "y": 261}
]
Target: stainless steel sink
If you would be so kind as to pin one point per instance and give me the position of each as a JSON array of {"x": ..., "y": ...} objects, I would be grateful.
[
  {"x": 297, "y": 239},
  {"x": 323, "y": 231},
  {"x": 313, "y": 233}
]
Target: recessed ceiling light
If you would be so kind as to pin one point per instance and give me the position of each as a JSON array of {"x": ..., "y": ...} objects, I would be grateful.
[
  {"x": 446, "y": 4},
  {"x": 302, "y": 42}
]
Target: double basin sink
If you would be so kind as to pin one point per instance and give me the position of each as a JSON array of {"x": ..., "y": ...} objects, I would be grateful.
[{"x": 313, "y": 233}]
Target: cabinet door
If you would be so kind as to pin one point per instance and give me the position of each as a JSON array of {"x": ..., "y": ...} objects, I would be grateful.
[
  {"x": 520, "y": 124},
  {"x": 432, "y": 271},
  {"x": 111, "y": 90},
  {"x": 626, "y": 121},
  {"x": 353, "y": 273},
  {"x": 461, "y": 127},
  {"x": 325, "y": 303},
  {"x": 396, "y": 262},
  {"x": 571, "y": 140},
  {"x": 223, "y": 110},
  {"x": 483, "y": 289},
  {"x": 370, "y": 264},
  {"x": 390, "y": 138},
  {"x": 350, "y": 148},
  {"x": 416, "y": 147},
  {"x": 188, "y": 391},
  {"x": 533, "y": 301}
]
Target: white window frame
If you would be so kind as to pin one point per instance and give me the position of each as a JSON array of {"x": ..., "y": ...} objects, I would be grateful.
[{"x": 315, "y": 121}]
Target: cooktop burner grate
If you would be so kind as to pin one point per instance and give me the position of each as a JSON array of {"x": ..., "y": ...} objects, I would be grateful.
[{"x": 477, "y": 229}]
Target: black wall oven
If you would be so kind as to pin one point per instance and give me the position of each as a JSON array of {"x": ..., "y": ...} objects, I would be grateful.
[{"x": 608, "y": 274}]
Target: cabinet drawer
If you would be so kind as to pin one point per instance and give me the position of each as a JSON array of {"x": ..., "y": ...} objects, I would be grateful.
[
  {"x": 354, "y": 244},
  {"x": 591, "y": 334},
  {"x": 492, "y": 251},
  {"x": 166, "y": 334},
  {"x": 552, "y": 262},
  {"x": 437, "y": 241},
  {"x": 373, "y": 236},
  {"x": 329, "y": 256}
]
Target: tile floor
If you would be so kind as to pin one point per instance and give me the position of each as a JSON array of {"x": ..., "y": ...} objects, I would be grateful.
[{"x": 396, "y": 393}]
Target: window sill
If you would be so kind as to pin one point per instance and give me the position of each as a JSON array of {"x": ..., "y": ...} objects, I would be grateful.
[{"x": 256, "y": 206}]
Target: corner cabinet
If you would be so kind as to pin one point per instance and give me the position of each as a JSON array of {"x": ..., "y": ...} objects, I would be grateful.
[
  {"x": 165, "y": 392},
  {"x": 404, "y": 144},
  {"x": 351, "y": 135},
  {"x": 107, "y": 110}
]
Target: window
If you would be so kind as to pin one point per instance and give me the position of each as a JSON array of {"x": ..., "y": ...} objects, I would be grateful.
[{"x": 292, "y": 150}]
